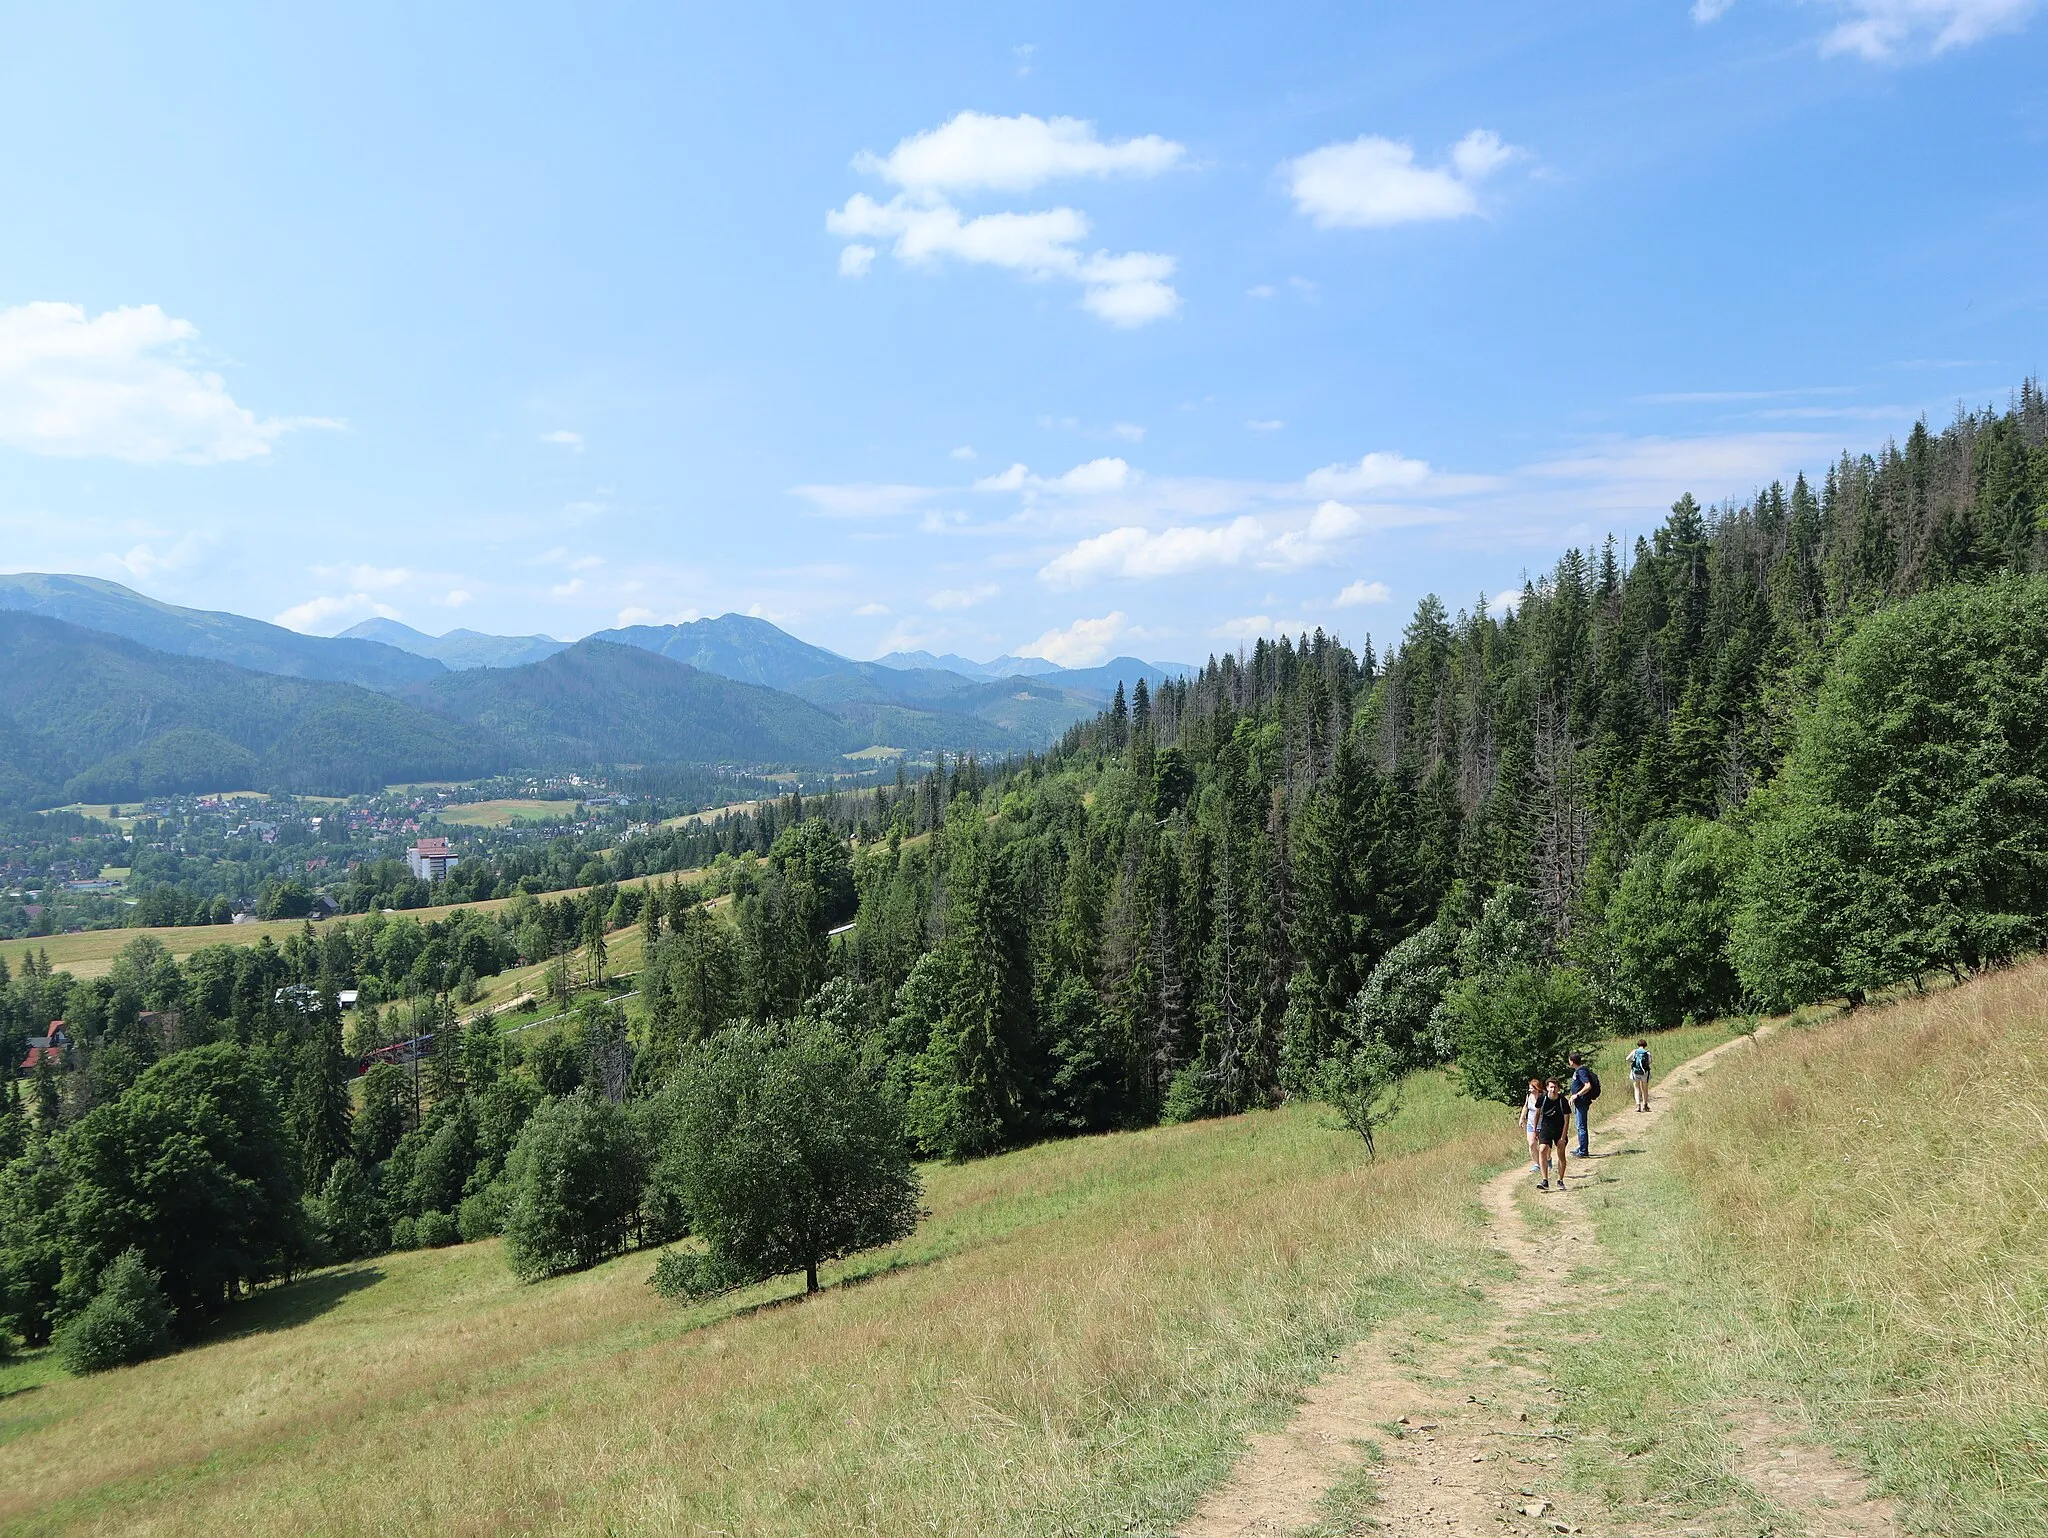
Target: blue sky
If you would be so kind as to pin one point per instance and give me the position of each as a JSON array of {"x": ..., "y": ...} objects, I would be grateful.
[{"x": 1065, "y": 329}]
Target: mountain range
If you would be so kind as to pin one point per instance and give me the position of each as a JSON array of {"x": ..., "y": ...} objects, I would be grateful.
[{"x": 118, "y": 695}]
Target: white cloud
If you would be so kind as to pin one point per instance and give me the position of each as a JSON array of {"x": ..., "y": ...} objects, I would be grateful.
[
  {"x": 1011, "y": 479},
  {"x": 1139, "y": 552},
  {"x": 637, "y": 615},
  {"x": 454, "y": 598},
  {"x": 1706, "y": 12},
  {"x": 375, "y": 577},
  {"x": 1329, "y": 527},
  {"x": 121, "y": 385},
  {"x": 1126, "y": 290},
  {"x": 1374, "y": 474},
  {"x": 564, "y": 437},
  {"x": 325, "y": 611},
  {"x": 1363, "y": 591},
  {"x": 1097, "y": 475},
  {"x": 975, "y": 152},
  {"x": 1373, "y": 182},
  {"x": 1129, "y": 290},
  {"x": 1880, "y": 30},
  {"x": 1259, "y": 291},
  {"x": 1648, "y": 473},
  {"x": 1094, "y": 478},
  {"x": 963, "y": 598},
  {"x": 1130, "y": 432},
  {"x": 869, "y": 610},
  {"x": 1505, "y": 602},
  {"x": 144, "y": 561},
  {"x": 586, "y": 563},
  {"x": 1264, "y": 425},
  {"x": 861, "y": 500},
  {"x": 1085, "y": 643},
  {"x": 1246, "y": 628},
  {"x": 964, "y": 452},
  {"x": 567, "y": 589}
]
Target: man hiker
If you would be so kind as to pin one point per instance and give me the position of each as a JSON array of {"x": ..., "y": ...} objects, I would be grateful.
[
  {"x": 1552, "y": 1115},
  {"x": 1639, "y": 1074},
  {"x": 1585, "y": 1089}
]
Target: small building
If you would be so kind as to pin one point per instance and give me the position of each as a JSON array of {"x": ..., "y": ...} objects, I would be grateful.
[
  {"x": 429, "y": 859},
  {"x": 47, "y": 1048}
]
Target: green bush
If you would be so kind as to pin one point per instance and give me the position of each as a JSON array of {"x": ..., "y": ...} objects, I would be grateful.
[
  {"x": 434, "y": 1230},
  {"x": 404, "y": 1234},
  {"x": 1518, "y": 1025},
  {"x": 126, "y": 1321},
  {"x": 348, "y": 1215},
  {"x": 482, "y": 1215},
  {"x": 574, "y": 1184}
]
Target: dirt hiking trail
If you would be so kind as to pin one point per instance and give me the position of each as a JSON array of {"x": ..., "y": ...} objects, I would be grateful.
[{"x": 1462, "y": 1423}]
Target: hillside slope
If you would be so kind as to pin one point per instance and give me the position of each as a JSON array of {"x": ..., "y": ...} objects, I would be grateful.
[
  {"x": 93, "y": 717},
  {"x": 602, "y": 703},
  {"x": 96, "y": 604}
]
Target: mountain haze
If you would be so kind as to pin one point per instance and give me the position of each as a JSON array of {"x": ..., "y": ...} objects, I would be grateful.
[
  {"x": 598, "y": 702},
  {"x": 96, "y": 604},
  {"x": 95, "y": 717},
  {"x": 458, "y": 649}
]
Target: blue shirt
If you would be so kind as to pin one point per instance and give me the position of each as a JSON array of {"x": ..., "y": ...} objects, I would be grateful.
[{"x": 1581, "y": 1079}]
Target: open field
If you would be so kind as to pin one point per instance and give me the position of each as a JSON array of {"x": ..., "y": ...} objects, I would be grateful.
[
  {"x": 502, "y": 814},
  {"x": 1077, "y": 1340},
  {"x": 92, "y": 953}
]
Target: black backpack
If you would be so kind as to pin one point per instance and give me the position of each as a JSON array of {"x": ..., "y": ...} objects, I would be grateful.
[{"x": 1595, "y": 1078}]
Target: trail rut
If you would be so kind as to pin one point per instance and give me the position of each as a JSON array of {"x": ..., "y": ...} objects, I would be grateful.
[{"x": 1462, "y": 1425}]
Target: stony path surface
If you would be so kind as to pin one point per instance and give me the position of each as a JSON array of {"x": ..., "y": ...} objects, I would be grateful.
[{"x": 1461, "y": 1423}]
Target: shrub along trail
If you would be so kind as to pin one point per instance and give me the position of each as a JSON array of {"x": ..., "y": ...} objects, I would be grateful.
[{"x": 1434, "y": 1432}]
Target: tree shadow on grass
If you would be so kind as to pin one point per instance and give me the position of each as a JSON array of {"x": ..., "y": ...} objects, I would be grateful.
[{"x": 290, "y": 1305}]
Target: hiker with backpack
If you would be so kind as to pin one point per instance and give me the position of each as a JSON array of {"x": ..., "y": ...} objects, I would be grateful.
[
  {"x": 1585, "y": 1089},
  {"x": 1639, "y": 1074},
  {"x": 1553, "y": 1115}
]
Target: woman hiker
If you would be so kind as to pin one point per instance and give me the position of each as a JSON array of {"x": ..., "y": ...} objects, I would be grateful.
[
  {"x": 1530, "y": 1101},
  {"x": 1553, "y": 1118}
]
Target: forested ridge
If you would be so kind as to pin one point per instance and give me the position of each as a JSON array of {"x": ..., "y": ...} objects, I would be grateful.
[{"x": 1783, "y": 750}]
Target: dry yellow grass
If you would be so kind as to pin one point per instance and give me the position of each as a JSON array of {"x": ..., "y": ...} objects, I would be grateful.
[{"x": 1850, "y": 1225}]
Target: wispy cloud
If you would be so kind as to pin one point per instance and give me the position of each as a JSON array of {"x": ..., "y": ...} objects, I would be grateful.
[
  {"x": 1884, "y": 31},
  {"x": 863, "y": 499}
]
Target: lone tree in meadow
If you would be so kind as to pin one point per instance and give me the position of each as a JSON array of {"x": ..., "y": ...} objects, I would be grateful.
[{"x": 787, "y": 1152}]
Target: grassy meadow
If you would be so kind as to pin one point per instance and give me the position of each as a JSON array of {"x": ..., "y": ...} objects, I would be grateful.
[
  {"x": 503, "y": 813},
  {"x": 1846, "y": 1225},
  {"x": 1077, "y": 1340}
]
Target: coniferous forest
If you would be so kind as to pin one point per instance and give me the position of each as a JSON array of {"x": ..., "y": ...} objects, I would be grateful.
[{"x": 1785, "y": 750}]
